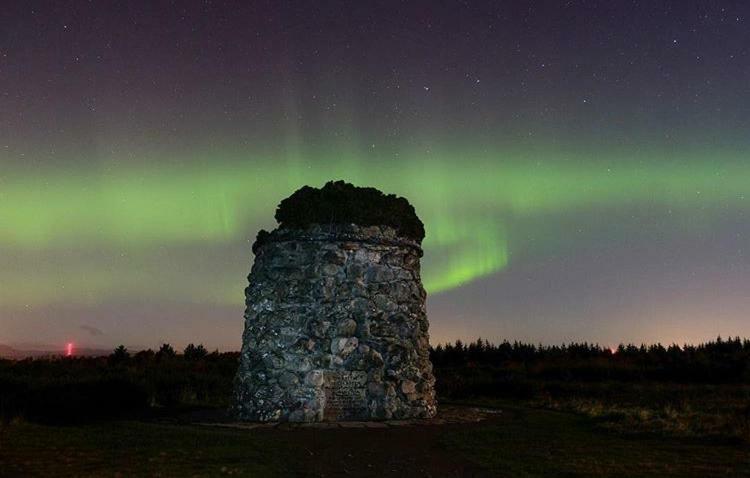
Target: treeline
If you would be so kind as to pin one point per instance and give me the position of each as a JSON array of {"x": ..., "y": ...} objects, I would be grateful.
[
  {"x": 481, "y": 368},
  {"x": 719, "y": 361},
  {"x": 71, "y": 389},
  {"x": 122, "y": 384}
]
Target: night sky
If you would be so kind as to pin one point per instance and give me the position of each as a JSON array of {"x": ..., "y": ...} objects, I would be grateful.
[{"x": 581, "y": 167}]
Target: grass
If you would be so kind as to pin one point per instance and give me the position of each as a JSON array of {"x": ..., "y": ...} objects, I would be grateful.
[
  {"x": 528, "y": 442},
  {"x": 137, "y": 449},
  {"x": 523, "y": 441},
  {"x": 717, "y": 412}
]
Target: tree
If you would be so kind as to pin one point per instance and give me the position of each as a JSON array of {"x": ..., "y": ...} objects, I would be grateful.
[
  {"x": 119, "y": 355},
  {"x": 193, "y": 352},
  {"x": 165, "y": 352}
]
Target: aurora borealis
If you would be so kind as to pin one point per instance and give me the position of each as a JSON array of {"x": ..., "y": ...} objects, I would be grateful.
[{"x": 577, "y": 181}]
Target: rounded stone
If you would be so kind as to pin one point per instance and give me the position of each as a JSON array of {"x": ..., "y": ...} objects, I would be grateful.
[
  {"x": 376, "y": 358},
  {"x": 314, "y": 378},
  {"x": 288, "y": 379},
  {"x": 347, "y": 328},
  {"x": 330, "y": 269},
  {"x": 408, "y": 387},
  {"x": 334, "y": 316},
  {"x": 343, "y": 346}
]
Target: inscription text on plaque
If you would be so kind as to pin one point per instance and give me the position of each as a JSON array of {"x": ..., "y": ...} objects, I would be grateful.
[{"x": 345, "y": 392}]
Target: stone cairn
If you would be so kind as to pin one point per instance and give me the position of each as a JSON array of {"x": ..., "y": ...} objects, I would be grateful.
[{"x": 335, "y": 326}]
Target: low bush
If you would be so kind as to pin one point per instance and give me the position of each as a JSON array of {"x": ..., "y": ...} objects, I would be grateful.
[{"x": 338, "y": 202}]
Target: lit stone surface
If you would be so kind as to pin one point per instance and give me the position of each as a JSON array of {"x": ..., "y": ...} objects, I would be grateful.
[{"x": 335, "y": 328}]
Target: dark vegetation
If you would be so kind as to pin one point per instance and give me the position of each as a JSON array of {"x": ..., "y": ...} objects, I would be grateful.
[
  {"x": 689, "y": 391},
  {"x": 129, "y": 414},
  {"x": 77, "y": 389},
  {"x": 699, "y": 390},
  {"x": 532, "y": 442},
  {"x": 482, "y": 368},
  {"x": 339, "y": 202},
  {"x": 519, "y": 442}
]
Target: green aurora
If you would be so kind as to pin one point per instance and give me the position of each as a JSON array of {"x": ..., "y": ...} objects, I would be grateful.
[
  {"x": 581, "y": 168},
  {"x": 105, "y": 233}
]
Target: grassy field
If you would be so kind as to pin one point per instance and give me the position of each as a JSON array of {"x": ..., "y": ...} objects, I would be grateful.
[
  {"x": 520, "y": 442},
  {"x": 529, "y": 442},
  {"x": 138, "y": 449},
  {"x": 714, "y": 412},
  {"x": 577, "y": 410}
]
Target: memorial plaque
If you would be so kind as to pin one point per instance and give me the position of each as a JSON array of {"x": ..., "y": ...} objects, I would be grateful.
[{"x": 346, "y": 395}]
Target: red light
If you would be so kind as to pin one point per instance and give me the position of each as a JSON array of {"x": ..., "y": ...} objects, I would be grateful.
[{"x": 69, "y": 350}]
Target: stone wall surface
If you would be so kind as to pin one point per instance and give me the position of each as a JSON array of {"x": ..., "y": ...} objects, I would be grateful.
[{"x": 335, "y": 328}]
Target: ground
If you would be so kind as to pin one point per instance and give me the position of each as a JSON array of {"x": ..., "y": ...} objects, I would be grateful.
[{"x": 519, "y": 442}]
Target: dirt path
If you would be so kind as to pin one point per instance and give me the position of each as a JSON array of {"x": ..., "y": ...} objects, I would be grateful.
[
  {"x": 411, "y": 448},
  {"x": 414, "y": 451}
]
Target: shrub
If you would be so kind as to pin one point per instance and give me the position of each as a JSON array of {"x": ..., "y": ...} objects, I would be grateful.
[
  {"x": 339, "y": 202},
  {"x": 81, "y": 401}
]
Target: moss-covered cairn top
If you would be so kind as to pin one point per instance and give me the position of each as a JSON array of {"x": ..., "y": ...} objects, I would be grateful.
[{"x": 341, "y": 203}]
